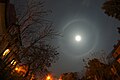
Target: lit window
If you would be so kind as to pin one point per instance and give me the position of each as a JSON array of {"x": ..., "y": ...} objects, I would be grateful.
[
  {"x": 13, "y": 62},
  {"x": 6, "y": 52}
]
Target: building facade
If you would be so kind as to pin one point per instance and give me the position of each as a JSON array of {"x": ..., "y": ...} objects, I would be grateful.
[{"x": 9, "y": 36}]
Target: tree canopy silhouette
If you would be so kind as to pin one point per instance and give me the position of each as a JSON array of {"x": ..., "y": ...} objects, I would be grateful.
[
  {"x": 112, "y": 8},
  {"x": 35, "y": 33}
]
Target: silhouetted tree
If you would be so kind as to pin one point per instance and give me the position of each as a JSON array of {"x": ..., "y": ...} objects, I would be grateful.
[
  {"x": 36, "y": 33},
  {"x": 70, "y": 76},
  {"x": 32, "y": 33},
  {"x": 112, "y": 8},
  {"x": 95, "y": 69}
]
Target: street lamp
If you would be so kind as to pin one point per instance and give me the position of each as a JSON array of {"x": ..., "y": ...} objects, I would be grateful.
[
  {"x": 48, "y": 77},
  {"x": 16, "y": 68}
]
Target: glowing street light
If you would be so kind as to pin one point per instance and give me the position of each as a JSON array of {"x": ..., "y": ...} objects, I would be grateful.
[
  {"x": 48, "y": 77},
  {"x": 16, "y": 68}
]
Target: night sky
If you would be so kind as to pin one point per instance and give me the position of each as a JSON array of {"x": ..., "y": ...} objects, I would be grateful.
[{"x": 85, "y": 18}]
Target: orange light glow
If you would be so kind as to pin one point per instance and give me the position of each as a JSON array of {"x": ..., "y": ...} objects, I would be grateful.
[
  {"x": 60, "y": 79},
  {"x": 16, "y": 68},
  {"x": 48, "y": 77}
]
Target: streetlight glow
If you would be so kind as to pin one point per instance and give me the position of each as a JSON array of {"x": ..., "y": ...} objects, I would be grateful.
[
  {"x": 16, "y": 68},
  {"x": 48, "y": 77}
]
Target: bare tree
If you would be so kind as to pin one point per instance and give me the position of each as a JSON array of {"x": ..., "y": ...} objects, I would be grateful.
[{"x": 35, "y": 33}]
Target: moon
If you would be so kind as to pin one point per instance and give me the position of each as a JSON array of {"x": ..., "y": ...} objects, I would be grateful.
[
  {"x": 79, "y": 46},
  {"x": 78, "y": 38}
]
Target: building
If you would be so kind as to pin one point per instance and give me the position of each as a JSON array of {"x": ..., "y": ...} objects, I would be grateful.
[
  {"x": 114, "y": 57},
  {"x": 9, "y": 36},
  {"x": 116, "y": 52}
]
